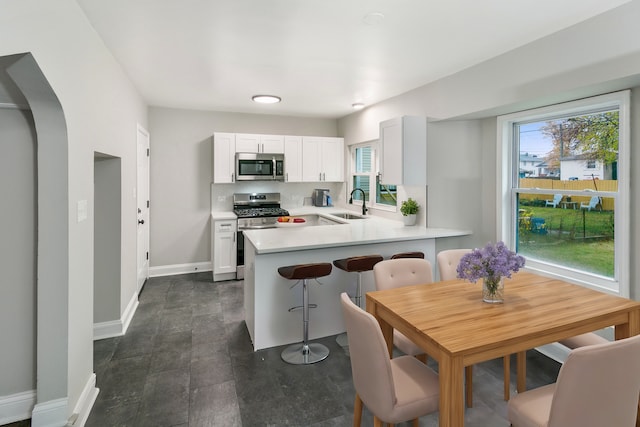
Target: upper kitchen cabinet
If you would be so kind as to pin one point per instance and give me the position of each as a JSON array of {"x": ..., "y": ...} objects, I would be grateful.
[
  {"x": 322, "y": 159},
  {"x": 224, "y": 152},
  {"x": 403, "y": 143},
  {"x": 255, "y": 143},
  {"x": 293, "y": 159}
]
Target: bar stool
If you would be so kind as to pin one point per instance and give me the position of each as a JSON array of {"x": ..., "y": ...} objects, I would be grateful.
[
  {"x": 356, "y": 264},
  {"x": 408, "y": 255},
  {"x": 305, "y": 353}
]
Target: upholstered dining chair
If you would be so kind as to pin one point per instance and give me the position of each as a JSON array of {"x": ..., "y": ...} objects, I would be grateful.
[
  {"x": 583, "y": 340},
  {"x": 448, "y": 261},
  {"x": 597, "y": 386},
  {"x": 394, "y": 390},
  {"x": 394, "y": 273}
]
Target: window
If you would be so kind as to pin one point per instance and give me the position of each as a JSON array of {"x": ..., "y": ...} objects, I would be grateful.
[
  {"x": 572, "y": 221},
  {"x": 364, "y": 172}
]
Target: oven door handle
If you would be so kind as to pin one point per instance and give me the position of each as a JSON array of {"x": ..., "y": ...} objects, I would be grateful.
[{"x": 257, "y": 227}]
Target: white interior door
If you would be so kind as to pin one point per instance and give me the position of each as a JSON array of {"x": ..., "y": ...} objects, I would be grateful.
[{"x": 142, "y": 201}]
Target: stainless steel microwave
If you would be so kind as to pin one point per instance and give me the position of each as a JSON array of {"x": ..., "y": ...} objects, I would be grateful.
[{"x": 259, "y": 167}]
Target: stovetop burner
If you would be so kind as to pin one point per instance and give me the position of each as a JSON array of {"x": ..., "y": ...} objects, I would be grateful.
[
  {"x": 259, "y": 212},
  {"x": 258, "y": 205}
]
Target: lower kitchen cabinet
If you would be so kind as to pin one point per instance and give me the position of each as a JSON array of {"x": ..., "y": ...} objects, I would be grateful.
[{"x": 223, "y": 249}]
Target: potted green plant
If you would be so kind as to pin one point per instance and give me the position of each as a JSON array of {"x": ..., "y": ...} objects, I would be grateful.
[{"x": 409, "y": 208}]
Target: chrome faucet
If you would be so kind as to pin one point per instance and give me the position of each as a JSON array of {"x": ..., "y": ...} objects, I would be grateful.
[{"x": 364, "y": 199}]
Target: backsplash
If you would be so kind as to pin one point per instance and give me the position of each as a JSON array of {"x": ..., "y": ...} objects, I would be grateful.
[{"x": 292, "y": 194}]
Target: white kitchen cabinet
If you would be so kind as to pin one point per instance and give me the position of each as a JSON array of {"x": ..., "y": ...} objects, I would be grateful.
[
  {"x": 223, "y": 249},
  {"x": 256, "y": 143},
  {"x": 403, "y": 142},
  {"x": 322, "y": 159},
  {"x": 224, "y": 152},
  {"x": 293, "y": 159}
]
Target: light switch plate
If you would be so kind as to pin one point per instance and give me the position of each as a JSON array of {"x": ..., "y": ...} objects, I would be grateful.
[{"x": 82, "y": 210}]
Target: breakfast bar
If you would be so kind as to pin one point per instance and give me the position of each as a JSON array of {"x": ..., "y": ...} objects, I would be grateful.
[{"x": 268, "y": 297}]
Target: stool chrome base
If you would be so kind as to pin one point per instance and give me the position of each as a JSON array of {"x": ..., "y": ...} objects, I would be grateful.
[{"x": 304, "y": 354}]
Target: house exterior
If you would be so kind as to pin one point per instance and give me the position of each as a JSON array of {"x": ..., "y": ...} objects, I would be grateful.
[
  {"x": 532, "y": 166},
  {"x": 581, "y": 167}
]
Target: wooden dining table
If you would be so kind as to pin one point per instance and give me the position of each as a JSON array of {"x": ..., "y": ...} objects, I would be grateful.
[{"x": 452, "y": 324}]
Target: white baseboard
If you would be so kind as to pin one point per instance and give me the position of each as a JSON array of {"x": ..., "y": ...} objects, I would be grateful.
[
  {"x": 116, "y": 328},
  {"x": 171, "y": 270},
  {"x": 17, "y": 407},
  {"x": 52, "y": 413},
  {"x": 129, "y": 311},
  {"x": 85, "y": 403}
]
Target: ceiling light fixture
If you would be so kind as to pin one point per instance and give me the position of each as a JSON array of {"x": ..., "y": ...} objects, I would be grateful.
[
  {"x": 357, "y": 106},
  {"x": 373, "y": 18},
  {"x": 266, "y": 99}
]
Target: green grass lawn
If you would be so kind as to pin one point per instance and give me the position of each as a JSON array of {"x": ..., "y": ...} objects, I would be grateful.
[{"x": 573, "y": 238}]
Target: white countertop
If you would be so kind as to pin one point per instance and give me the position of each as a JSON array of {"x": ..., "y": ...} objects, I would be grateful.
[
  {"x": 370, "y": 230},
  {"x": 222, "y": 215}
]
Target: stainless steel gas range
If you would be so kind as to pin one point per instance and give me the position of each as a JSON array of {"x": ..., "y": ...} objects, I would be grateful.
[{"x": 254, "y": 211}]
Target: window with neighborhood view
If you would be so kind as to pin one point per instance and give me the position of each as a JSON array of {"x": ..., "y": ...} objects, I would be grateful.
[
  {"x": 364, "y": 171},
  {"x": 564, "y": 185}
]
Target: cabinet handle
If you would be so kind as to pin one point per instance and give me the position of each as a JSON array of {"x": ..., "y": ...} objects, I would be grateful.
[
  {"x": 233, "y": 177},
  {"x": 320, "y": 177},
  {"x": 286, "y": 176}
]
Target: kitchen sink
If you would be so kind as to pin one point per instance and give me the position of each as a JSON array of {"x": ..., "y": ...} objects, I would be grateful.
[{"x": 346, "y": 215}]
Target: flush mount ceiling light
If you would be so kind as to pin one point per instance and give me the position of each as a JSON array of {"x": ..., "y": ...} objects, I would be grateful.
[
  {"x": 373, "y": 18},
  {"x": 266, "y": 99},
  {"x": 357, "y": 106}
]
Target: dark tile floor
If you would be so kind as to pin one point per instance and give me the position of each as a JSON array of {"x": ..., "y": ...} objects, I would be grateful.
[{"x": 187, "y": 360}]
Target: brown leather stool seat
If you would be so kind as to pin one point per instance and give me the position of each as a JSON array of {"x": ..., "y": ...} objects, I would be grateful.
[
  {"x": 358, "y": 263},
  {"x": 305, "y": 353},
  {"x": 408, "y": 255},
  {"x": 305, "y": 271}
]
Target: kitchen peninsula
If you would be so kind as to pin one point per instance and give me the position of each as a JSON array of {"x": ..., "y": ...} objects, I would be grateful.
[{"x": 268, "y": 296}]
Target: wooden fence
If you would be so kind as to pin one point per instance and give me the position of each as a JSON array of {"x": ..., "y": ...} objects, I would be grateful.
[{"x": 581, "y": 185}]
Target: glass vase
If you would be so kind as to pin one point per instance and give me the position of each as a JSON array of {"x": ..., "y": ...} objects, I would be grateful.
[{"x": 493, "y": 290}]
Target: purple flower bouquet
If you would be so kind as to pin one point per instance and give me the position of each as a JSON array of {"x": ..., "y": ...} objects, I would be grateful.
[{"x": 491, "y": 263}]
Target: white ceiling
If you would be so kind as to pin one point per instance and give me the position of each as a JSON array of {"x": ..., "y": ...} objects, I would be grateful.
[{"x": 318, "y": 55}]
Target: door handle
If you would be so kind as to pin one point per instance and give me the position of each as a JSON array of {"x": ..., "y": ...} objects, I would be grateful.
[{"x": 141, "y": 221}]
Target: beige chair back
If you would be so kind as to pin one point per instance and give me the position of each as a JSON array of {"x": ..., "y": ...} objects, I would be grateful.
[
  {"x": 370, "y": 365},
  {"x": 448, "y": 262},
  {"x": 598, "y": 386},
  {"x": 394, "y": 273}
]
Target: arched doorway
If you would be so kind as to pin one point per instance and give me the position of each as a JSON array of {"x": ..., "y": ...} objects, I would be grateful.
[{"x": 52, "y": 254}]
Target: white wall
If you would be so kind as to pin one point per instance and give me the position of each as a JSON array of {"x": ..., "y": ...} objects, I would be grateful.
[
  {"x": 101, "y": 109},
  {"x": 181, "y": 176},
  {"x": 17, "y": 251},
  {"x": 597, "y": 56}
]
